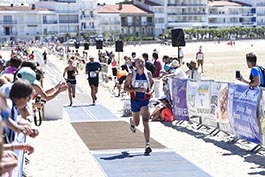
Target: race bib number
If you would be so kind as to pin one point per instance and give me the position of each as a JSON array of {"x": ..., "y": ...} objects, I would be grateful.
[{"x": 92, "y": 74}]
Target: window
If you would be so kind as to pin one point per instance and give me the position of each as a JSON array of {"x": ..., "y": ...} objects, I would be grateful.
[
  {"x": 44, "y": 19},
  {"x": 8, "y": 18},
  {"x": 83, "y": 25}
]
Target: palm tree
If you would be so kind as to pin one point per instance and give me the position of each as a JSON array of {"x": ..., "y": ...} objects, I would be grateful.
[{"x": 67, "y": 36}]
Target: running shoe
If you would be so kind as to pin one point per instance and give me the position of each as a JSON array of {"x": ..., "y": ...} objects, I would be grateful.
[
  {"x": 148, "y": 149},
  {"x": 132, "y": 127}
]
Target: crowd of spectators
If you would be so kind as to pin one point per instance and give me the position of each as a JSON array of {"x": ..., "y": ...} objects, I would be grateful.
[{"x": 20, "y": 85}]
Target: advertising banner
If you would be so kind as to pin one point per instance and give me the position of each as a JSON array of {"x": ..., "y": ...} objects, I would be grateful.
[
  {"x": 202, "y": 98},
  {"x": 198, "y": 98},
  {"x": 219, "y": 98},
  {"x": 179, "y": 102},
  {"x": 262, "y": 115},
  {"x": 242, "y": 112},
  {"x": 192, "y": 87}
]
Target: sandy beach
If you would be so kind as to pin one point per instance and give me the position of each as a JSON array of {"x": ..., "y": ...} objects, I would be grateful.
[{"x": 59, "y": 152}]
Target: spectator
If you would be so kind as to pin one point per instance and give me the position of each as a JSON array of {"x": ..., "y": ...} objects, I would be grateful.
[
  {"x": 2, "y": 62},
  {"x": 157, "y": 64},
  {"x": 133, "y": 55},
  {"x": 193, "y": 72},
  {"x": 128, "y": 66},
  {"x": 18, "y": 94},
  {"x": 29, "y": 75},
  {"x": 180, "y": 55},
  {"x": 148, "y": 64},
  {"x": 14, "y": 64},
  {"x": 256, "y": 75},
  {"x": 176, "y": 70},
  {"x": 121, "y": 77},
  {"x": 31, "y": 56},
  {"x": 166, "y": 68},
  {"x": 114, "y": 65},
  {"x": 8, "y": 159},
  {"x": 162, "y": 111}
]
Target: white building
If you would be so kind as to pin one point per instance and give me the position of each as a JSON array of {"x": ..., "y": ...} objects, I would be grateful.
[
  {"x": 127, "y": 20},
  {"x": 259, "y": 6},
  {"x": 47, "y": 18},
  {"x": 170, "y": 14},
  {"x": 224, "y": 14},
  {"x": 145, "y": 18},
  {"x": 74, "y": 16},
  {"x": 109, "y": 20},
  {"x": 24, "y": 22}
]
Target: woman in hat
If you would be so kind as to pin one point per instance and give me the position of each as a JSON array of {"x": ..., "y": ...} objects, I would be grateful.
[{"x": 193, "y": 72}]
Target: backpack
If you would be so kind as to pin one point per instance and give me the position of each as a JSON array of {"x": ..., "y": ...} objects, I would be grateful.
[
  {"x": 262, "y": 69},
  {"x": 263, "y": 74}
]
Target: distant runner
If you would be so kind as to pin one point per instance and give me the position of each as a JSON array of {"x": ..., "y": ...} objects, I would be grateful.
[{"x": 92, "y": 69}]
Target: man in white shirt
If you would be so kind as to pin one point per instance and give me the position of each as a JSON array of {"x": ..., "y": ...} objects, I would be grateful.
[{"x": 200, "y": 59}]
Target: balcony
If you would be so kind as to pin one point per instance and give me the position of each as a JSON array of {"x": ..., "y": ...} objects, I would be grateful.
[
  {"x": 50, "y": 22},
  {"x": 8, "y": 34},
  {"x": 187, "y": 13},
  {"x": 248, "y": 14},
  {"x": 185, "y": 4},
  {"x": 261, "y": 4},
  {"x": 147, "y": 24},
  {"x": 68, "y": 22},
  {"x": 87, "y": 16},
  {"x": 12, "y": 22},
  {"x": 248, "y": 23},
  {"x": 109, "y": 23},
  {"x": 128, "y": 24}
]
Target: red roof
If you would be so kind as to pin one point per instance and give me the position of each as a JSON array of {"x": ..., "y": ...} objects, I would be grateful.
[
  {"x": 224, "y": 3},
  {"x": 125, "y": 8},
  {"x": 21, "y": 8}
]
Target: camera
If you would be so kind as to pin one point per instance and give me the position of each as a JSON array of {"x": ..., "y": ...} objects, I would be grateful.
[{"x": 38, "y": 99}]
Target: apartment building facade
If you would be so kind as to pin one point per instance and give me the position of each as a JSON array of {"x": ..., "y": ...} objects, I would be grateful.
[
  {"x": 143, "y": 18},
  {"x": 176, "y": 14},
  {"x": 170, "y": 14},
  {"x": 47, "y": 18},
  {"x": 224, "y": 14},
  {"x": 133, "y": 21},
  {"x": 73, "y": 16}
]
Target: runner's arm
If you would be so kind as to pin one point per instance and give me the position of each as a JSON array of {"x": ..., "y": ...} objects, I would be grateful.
[{"x": 127, "y": 85}]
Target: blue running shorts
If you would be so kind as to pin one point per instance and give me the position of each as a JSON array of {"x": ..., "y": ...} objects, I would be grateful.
[{"x": 137, "y": 104}]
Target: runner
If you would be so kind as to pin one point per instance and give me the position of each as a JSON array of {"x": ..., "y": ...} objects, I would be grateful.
[
  {"x": 71, "y": 72},
  {"x": 139, "y": 84},
  {"x": 44, "y": 54},
  {"x": 92, "y": 69}
]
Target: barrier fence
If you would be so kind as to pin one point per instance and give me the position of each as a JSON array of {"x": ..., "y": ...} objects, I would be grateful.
[{"x": 232, "y": 108}]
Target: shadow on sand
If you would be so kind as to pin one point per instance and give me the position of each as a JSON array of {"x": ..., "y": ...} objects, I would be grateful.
[{"x": 250, "y": 157}]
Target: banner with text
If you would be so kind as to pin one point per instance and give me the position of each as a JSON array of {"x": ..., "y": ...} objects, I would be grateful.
[
  {"x": 262, "y": 115},
  {"x": 242, "y": 112},
  {"x": 179, "y": 103}
]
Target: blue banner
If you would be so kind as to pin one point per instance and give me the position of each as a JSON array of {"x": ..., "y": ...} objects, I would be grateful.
[
  {"x": 179, "y": 101},
  {"x": 242, "y": 110}
]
